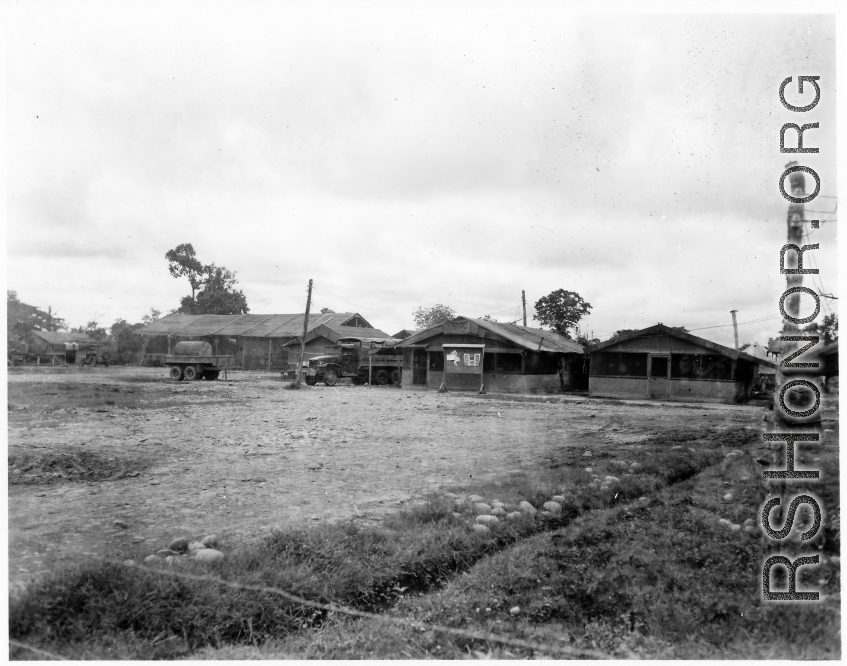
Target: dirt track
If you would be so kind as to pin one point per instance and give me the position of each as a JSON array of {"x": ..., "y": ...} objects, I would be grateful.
[{"x": 232, "y": 458}]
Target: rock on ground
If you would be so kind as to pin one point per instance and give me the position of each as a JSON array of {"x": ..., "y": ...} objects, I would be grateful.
[
  {"x": 208, "y": 555},
  {"x": 552, "y": 507},
  {"x": 481, "y": 529},
  {"x": 487, "y": 520},
  {"x": 526, "y": 507},
  {"x": 179, "y": 545}
]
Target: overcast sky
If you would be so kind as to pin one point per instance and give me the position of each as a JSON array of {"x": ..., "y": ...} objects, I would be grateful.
[{"x": 404, "y": 155}]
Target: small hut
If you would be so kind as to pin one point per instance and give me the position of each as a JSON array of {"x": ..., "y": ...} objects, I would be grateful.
[
  {"x": 664, "y": 363},
  {"x": 500, "y": 357}
]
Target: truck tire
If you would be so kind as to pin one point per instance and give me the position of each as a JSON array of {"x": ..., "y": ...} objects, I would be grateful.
[
  {"x": 381, "y": 377},
  {"x": 176, "y": 372},
  {"x": 211, "y": 375},
  {"x": 395, "y": 376},
  {"x": 330, "y": 377},
  {"x": 190, "y": 373},
  {"x": 311, "y": 381}
]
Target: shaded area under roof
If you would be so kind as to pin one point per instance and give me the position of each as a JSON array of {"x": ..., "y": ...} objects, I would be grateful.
[{"x": 247, "y": 326}]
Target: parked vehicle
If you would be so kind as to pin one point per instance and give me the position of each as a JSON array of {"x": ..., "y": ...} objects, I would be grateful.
[
  {"x": 195, "y": 360},
  {"x": 92, "y": 357},
  {"x": 359, "y": 359}
]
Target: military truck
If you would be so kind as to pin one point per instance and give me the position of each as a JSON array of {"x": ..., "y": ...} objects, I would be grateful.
[
  {"x": 359, "y": 359},
  {"x": 195, "y": 360}
]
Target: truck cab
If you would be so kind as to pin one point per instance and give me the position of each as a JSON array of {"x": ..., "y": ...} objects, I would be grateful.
[{"x": 358, "y": 359}]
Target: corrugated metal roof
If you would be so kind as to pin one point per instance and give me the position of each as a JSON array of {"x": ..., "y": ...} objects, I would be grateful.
[
  {"x": 529, "y": 337},
  {"x": 249, "y": 326},
  {"x": 61, "y": 337},
  {"x": 335, "y": 333},
  {"x": 660, "y": 329},
  {"x": 534, "y": 339}
]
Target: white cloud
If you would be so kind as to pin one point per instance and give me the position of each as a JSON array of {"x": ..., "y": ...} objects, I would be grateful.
[{"x": 402, "y": 157}]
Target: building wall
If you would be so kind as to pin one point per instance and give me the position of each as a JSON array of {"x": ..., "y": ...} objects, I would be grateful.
[
  {"x": 618, "y": 387},
  {"x": 494, "y": 383},
  {"x": 696, "y": 390},
  {"x": 704, "y": 390}
]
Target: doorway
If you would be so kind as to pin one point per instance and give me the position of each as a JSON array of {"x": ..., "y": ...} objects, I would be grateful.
[
  {"x": 659, "y": 376},
  {"x": 419, "y": 367}
]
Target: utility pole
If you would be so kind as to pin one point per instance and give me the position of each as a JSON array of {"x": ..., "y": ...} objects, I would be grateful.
[
  {"x": 523, "y": 300},
  {"x": 735, "y": 328},
  {"x": 303, "y": 339}
]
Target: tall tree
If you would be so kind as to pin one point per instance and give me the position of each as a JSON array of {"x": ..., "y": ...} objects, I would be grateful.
[
  {"x": 150, "y": 318},
  {"x": 220, "y": 294},
  {"x": 127, "y": 345},
  {"x": 561, "y": 310},
  {"x": 183, "y": 262},
  {"x": 93, "y": 330},
  {"x": 22, "y": 318},
  {"x": 213, "y": 288},
  {"x": 429, "y": 317},
  {"x": 827, "y": 329}
]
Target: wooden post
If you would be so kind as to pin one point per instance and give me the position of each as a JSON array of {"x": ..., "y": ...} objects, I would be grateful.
[
  {"x": 443, "y": 387},
  {"x": 270, "y": 351},
  {"x": 370, "y": 369},
  {"x": 523, "y": 300},
  {"x": 735, "y": 327},
  {"x": 303, "y": 339},
  {"x": 482, "y": 373}
]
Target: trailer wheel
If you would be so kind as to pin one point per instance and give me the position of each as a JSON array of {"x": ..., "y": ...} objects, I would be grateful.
[
  {"x": 381, "y": 377},
  {"x": 330, "y": 378},
  {"x": 311, "y": 381},
  {"x": 395, "y": 376},
  {"x": 190, "y": 372},
  {"x": 176, "y": 372},
  {"x": 211, "y": 375}
]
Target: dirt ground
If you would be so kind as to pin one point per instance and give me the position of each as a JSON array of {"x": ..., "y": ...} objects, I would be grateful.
[{"x": 238, "y": 458}]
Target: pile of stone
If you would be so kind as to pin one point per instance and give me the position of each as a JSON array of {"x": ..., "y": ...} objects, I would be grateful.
[
  {"x": 604, "y": 484},
  {"x": 625, "y": 467},
  {"x": 749, "y": 525},
  {"x": 182, "y": 549},
  {"x": 489, "y": 514}
]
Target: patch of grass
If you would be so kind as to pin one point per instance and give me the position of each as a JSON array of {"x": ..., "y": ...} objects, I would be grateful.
[
  {"x": 661, "y": 580},
  {"x": 70, "y": 465},
  {"x": 639, "y": 579}
]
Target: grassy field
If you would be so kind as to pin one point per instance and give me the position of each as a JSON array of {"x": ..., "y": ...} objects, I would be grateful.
[{"x": 639, "y": 567}]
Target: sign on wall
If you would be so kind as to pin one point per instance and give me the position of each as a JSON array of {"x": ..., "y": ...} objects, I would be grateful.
[{"x": 463, "y": 359}]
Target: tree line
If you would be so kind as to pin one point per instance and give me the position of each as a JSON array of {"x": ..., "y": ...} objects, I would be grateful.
[{"x": 561, "y": 311}]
